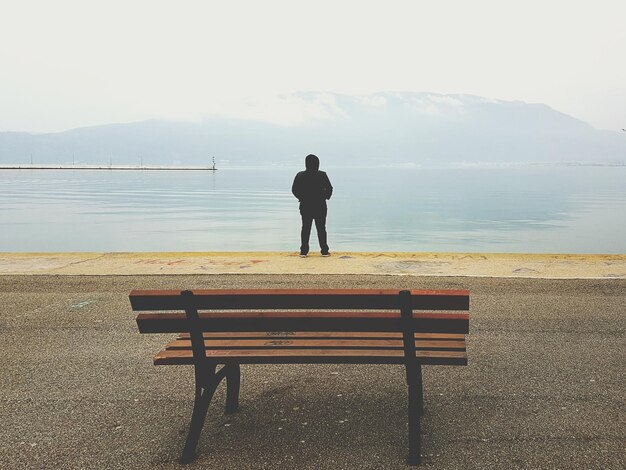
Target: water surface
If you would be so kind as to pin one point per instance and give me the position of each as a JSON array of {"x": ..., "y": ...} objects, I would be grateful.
[{"x": 525, "y": 209}]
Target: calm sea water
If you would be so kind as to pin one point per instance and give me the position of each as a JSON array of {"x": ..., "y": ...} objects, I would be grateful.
[{"x": 526, "y": 209}]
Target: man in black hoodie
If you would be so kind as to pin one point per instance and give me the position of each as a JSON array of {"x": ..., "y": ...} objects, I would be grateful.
[{"x": 312, "y": 188}]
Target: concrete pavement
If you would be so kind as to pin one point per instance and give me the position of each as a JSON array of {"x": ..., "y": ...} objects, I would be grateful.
[
  {"x": 544, "y": 266},
  {"x": 544, "y": 388}
]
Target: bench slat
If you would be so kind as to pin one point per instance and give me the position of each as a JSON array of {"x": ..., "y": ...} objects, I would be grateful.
[
  {"x": 304, "y": 321},
  {"x": 225, "y": 299},
  {"x": 322, "y": 334},
  {"x": 311, "y": 356},
  {"x": 330, "y": 343}
]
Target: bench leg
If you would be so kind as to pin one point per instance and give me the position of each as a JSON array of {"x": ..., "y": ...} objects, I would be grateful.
[
  {"x": 415, "y": 411},
  {"x": 419, "y": 385},
  {"x": 233, "y": 380},
  {"x": 204, "y": 394},
  {"x": 420, "y": 389}
]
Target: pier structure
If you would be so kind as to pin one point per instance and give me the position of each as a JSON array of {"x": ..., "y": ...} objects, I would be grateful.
[{"x": 103, "y": 167}]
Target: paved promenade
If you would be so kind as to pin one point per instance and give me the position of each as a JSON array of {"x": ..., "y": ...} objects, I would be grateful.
[
  {"x": 414, "y": 264},
  {"x": 545, "y": 388}
]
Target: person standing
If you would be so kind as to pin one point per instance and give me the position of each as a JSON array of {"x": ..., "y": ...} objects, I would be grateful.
[{"x": 312, "y": 188}]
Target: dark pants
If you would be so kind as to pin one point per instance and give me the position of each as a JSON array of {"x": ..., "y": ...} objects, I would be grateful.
[{"x": 318, "y": 215}]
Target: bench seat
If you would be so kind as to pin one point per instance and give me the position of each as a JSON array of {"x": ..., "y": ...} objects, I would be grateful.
[{"x": 316, "y": 348}]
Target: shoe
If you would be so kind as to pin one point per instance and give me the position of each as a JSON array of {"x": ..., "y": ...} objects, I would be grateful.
[
  {"x": 326, "y": 255},
  {"x": 303, "y": 255}
]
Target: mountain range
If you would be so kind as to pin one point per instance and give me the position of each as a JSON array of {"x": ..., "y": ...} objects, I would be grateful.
[{"x": 386, "y": 128}]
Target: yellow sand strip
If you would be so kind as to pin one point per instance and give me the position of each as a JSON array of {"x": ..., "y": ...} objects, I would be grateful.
[{"x": 417, "y": 264}]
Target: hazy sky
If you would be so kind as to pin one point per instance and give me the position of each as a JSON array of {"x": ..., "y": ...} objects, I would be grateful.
[{"x": 67, "y": 64}]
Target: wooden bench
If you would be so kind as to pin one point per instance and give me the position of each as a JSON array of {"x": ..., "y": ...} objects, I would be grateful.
[{"x": 304, "y": 326}]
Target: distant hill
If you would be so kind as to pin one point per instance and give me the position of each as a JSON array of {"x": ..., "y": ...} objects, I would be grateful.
[{"x": 382, "y": 128}]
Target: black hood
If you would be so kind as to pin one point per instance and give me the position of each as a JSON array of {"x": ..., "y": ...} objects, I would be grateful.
[{"x": 312, "y": 163}]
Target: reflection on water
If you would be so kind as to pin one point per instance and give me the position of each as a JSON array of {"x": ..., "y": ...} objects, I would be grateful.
[{"x": 538, "y": 209}]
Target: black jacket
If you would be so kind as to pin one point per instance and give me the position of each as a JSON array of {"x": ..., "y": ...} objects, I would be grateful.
[{"x": 312, "y": 188}]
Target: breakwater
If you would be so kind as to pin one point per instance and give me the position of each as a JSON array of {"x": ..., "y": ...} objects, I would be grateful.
[{"x": 104, "y": 167}]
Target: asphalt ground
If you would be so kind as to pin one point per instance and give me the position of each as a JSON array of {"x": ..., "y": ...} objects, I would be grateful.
[{"x": 545, "y": 387}]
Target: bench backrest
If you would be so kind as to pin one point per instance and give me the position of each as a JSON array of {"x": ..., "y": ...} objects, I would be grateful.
[{"x": 308, "y": 310}]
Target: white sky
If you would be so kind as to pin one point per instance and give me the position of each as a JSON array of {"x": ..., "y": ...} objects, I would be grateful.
[{"x": 66, "y": 64}]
